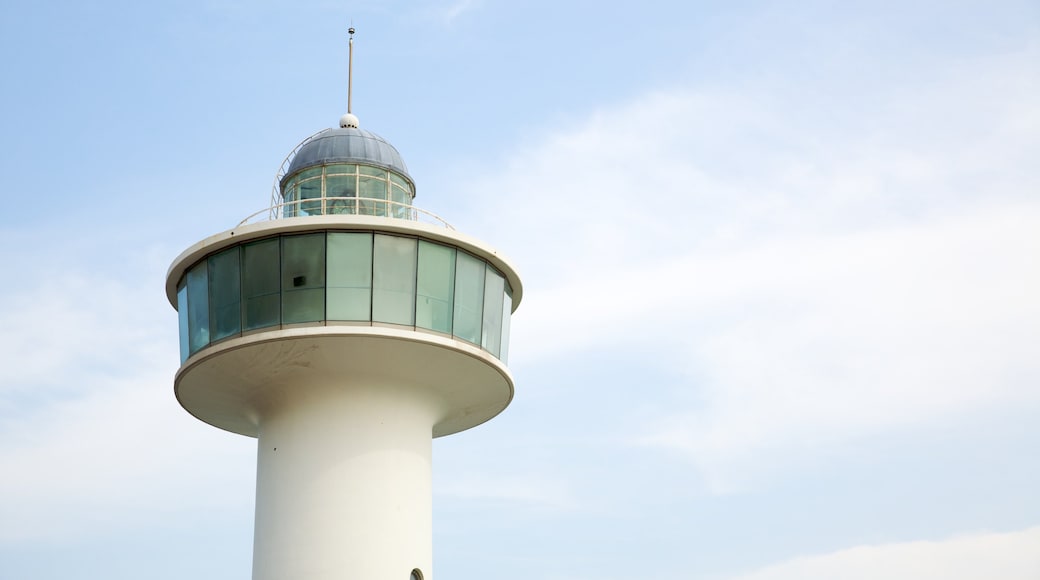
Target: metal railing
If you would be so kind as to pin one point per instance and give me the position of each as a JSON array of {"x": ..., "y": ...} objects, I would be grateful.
[
  {"x": 345, "y": 206},
  {"x": 276, "y": 188}
]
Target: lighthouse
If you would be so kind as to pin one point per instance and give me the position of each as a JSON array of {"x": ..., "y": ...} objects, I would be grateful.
[{"x": 344, "y": 328}]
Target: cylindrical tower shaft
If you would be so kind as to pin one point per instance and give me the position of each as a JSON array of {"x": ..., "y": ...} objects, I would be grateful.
[{"x": 343, "y": 482}]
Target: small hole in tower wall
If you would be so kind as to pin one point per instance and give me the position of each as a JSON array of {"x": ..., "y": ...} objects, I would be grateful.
[{"x": 416, "y": 575}]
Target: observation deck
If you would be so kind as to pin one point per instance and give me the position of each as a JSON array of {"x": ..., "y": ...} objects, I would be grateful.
[{"x": 343, "y": 262}]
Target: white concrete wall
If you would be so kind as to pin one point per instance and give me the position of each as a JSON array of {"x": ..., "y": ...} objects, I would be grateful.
[{"x": 344, "y": 483}]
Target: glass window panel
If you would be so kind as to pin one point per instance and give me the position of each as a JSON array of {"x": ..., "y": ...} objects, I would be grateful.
[
  {"x": 182, "y": 318},
  {"x": 349, "y": 276},
  {"x": 401, "y": 197},
  {"x": 435, "y": 287},
  {"x": 310, "y": 189},
  {"x": 469, "y": 298},
  {"x": 372, "y": 188},
  {"x": 491, "y": 331},
  {"x": 289, "y": 196},
  {"x": 507, "y": 313},
  {"x": 397, "y": 179},
  {"x": 340, "y": 168},
  {"x": 303, "y": 278},
  {"x": 308, "y": 173},
  {"x": 225, "y": 295},
  {"x": 393, "y": 279},
  {"x": 340, "y": 186},
  {"x": 373, "y": 171},
  {"x": 260, "y": 284},
  {"x": 198, "y": 307}
]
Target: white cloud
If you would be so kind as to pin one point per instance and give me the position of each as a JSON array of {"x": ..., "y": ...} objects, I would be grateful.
[
  {"x": 981, "y": 556},
  {"x": 95, "y": 440},
  {"x": 531, "y": 489},
  {"x": 819, "y": 275},
  {"x": 447, "y": 13},
  {"x": 847, "y": 336},
  {"x": 121, "y": 457}
]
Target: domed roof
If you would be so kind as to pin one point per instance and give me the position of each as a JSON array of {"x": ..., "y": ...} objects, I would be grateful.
[{"x": 348, "y": 145}]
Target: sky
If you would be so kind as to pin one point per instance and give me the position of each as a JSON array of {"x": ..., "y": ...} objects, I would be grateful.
[{"x": 781, "y": 264}]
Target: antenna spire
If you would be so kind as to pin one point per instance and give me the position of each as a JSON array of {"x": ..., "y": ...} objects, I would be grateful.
[
  {"x": 350, "y": 69},
  {"x": 349, "y": 120}
]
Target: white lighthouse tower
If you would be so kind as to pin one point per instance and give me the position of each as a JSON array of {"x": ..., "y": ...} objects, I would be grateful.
[{"x": 344, "y": 328}]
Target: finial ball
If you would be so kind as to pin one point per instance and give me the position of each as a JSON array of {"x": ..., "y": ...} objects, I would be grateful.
[{"x": 348, "y": 120}]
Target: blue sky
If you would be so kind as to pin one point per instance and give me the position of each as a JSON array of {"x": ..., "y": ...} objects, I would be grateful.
[{"x": 780, "y": 264}]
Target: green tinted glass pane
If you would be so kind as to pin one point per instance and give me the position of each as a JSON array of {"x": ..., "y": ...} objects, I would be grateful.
[
  {"x": 340, "y": 186},
  {"x": 372, "y": 188},
  {"x": 435, "y": 287},
  {"x": 341, "y": 206},
  {"x": 399, "y": 195},
  {"x": 340, "y": 168},
  {"x": 310, "y": 190},
  {"x": 400, "y": 209},
  {"x": 260, "y": 284},
  {"x": 393, "y": 280},
  {"x": 398, "y": 180},
  {"x": 262, "y": 311},
  {"x": 349, "y": 276},
  {"x": 374, "y": 171},
  {"x": 304, "y": 305},
  {"x": 225, "y": 307},
  {"x": 182, "y": 318},
  {"x": 469, "y": 298},
  {"x": 308, "y": 173},
  {"x": 349, "y": 304},
  {"x": 303, "y": 278},
  {"x": 491, "y": 331},
  {"x": 198, "y": 307},
  {"x": 507, "y": 309},
  {"x": 289, "y": 196}
]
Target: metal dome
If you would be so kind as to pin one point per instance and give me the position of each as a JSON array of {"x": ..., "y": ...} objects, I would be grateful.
[{"x": 347, "y": 145}]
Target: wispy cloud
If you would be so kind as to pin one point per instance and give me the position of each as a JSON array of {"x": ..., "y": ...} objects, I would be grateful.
[
  {"x": 981, "y": 556},
  {"x": 96, "y": 441},
  {"x": 121, "y": 457},
  {"x": 819, "y": 274},
  {"x": 841, "y": 337},
  {"x": 448, "y": 13},
  {"x": 534, "y": 490}
]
